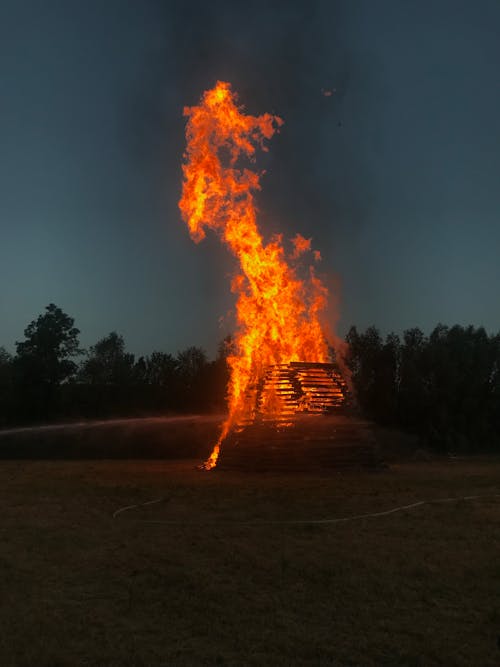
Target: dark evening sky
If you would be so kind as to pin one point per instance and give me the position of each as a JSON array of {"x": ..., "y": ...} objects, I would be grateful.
[{"x": 395, "y": 175}]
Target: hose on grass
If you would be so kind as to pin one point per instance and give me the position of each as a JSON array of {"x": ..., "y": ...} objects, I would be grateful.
[
  {"x": 344, "y": 519},
  {"x": 133, "y": 507}
]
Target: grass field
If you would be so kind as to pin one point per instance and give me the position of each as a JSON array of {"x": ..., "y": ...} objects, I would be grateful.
[{"x": 196, "y": 580}]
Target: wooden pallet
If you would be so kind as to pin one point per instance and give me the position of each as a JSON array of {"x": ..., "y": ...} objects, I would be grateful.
[{"x": 286, "y": 390}]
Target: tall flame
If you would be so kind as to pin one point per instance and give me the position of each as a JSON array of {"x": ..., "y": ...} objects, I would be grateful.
[{"x": 277, "y": 313}]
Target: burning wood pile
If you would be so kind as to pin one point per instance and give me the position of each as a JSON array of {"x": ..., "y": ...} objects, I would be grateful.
[
  {"x": 298, "y": 388},
  {"x": 299, "y": 420},
  {"x": 279, "y": 369}
]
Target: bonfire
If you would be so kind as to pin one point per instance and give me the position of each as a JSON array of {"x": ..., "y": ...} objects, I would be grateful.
[{"x": 279, "y": 304}]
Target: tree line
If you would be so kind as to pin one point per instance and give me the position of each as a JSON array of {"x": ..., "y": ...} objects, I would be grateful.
[
  {"x": 50, "y": 377},
  {"x": 444, "y": 387}
]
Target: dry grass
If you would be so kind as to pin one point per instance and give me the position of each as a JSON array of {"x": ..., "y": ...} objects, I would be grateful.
[{"x": 78, "y": 587}]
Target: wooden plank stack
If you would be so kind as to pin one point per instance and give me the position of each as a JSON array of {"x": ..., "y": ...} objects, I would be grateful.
[
  {"x": 298, "y": 388},
  {"x": 300, "y": 422}
]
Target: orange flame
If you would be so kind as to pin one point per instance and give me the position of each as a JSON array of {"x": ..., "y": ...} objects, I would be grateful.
[
  {"x": 277, "y": 313},
  {"x": 300, "y": 245}
]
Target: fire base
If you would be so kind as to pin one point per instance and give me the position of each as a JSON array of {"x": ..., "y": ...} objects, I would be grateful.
[{"x": 309, "y": 443}]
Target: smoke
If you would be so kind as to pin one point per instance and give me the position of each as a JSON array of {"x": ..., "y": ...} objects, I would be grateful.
[
  {"x": 292, "y": 59},
  {"x": 288, "y": 58},
  {"x": 281, "y": 58}
]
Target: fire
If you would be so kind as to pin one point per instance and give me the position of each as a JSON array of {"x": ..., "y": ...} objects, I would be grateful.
[{"x": 277, "y": 312}]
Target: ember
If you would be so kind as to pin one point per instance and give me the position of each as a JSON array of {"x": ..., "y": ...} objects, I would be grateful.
[{"x": 277, "y": 312}]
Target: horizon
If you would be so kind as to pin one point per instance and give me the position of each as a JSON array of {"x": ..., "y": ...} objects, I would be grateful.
[{"x": 211, "y": 354}]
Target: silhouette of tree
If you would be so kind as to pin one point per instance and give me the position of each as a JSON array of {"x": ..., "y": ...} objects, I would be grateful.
[
  {"x": 414, "y": 389},
  {"x": 6, "y": 377},
  {"x": 5, "y": 357},
  {"x": 50, "y": 343},
  {"x": 191, "y": 362},
  {"x": 388, "y": 379},
  {"x": 219, "y": 373},
  {"x": 108, "y": 379},
  {"x": 107, "y": 363},
  {"x": 192, "y": 373},
  {"x": 156, "y": 382},
  {"x": 460, "y": 363},
  {"x": 493, "y": 410},
  {"x": 161, "y": 369},
  {"x": 44, "y": 361},
  {"x": 444, "y": 387},
  {"x": 375, "y": 372},
  {"x": 139, "y": 371}
]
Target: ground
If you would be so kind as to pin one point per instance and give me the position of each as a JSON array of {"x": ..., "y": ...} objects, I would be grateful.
[{"x": 199, "y": 578}]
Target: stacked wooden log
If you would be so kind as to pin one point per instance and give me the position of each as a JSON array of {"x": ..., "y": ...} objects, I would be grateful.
[
  {"x": 287, "y": 390},
  {"x": 300, "y": 421}
]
